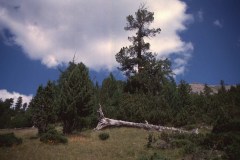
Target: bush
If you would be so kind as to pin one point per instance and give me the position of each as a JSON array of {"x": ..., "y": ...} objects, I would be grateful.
[
  {"x": 150, "y": 140},
  {"x": 180, "y": 143},
  {"x": 103, "y": 136},
  {"x": 165, "y": 136},
  {"x": 233, "y": 151},
  {"x": 9, "y": 139},
  {"x": 228, "y": 142},
  {"x": 189, "y": 148},
  {"x": 52, "y": 136},
  {"x": 227, "y": 127},
  {"x": 20, "y": 121}
]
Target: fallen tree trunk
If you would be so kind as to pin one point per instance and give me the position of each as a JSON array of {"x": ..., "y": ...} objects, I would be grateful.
[{"x": 107, "y": 122}]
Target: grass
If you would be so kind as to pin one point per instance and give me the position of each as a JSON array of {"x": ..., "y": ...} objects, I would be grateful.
[{"x": 123, "y": 144}]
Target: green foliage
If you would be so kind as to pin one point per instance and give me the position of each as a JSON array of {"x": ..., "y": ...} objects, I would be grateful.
[
  {"x": 43, "y": 107},
  {"x": 227, "y": 142},
  {"x": 14, "y": 117},
  {"x": 227, "y": 127},
  {"x": 5, "y": 112},
  {"x": 21, "y": 120},
  {"x": 225, "y": 137},
  {"x": 149, "y": 140},
  {"x": 74, "y": 97},
  {"x": 9, "y": 139},
  {"x": 110, "y": 96},
  {"x": 232, "y": 151},
  {"x": 52, "y": 136},
  {"x": 165, "y": 136},
  {"x": 18, "y": 104},
  {"x": 103, "y": 136},
  {"x": 178, "y": 143},
  {"x": 137, "y": 55},
  {"x": 189, "y": 148}
]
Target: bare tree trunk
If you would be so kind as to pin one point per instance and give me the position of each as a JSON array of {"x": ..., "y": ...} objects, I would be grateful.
[{"x": 107, "y": 122}]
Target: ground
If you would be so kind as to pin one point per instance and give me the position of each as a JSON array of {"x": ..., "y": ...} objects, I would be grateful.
[{"x": 123, "y": 144}]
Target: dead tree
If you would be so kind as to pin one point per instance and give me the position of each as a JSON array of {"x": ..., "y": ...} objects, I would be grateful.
[{"x": 104, "y": 122}]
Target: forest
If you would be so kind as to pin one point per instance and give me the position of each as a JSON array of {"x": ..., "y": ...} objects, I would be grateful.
[{"x": 149, "y": 93}]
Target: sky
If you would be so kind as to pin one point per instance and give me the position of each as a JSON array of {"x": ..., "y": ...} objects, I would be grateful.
[{"x": 201, "y": 38}]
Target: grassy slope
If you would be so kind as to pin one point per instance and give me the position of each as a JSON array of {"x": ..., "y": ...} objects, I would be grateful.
[{"x": 124, "y": 143}]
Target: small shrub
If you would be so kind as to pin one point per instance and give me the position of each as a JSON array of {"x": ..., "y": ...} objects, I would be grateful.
[
  {"x": 149, "y": 140},
  {"x": 227, "y": 127},
  {"x": 179, "y": 143},
  {"x": 103, "y": 136},
  {"x": 9, "y": 139},
  {"x": 189, "y": 148},
  {"x": 197, "y": 139},
  {"x": 179, "y": 136},
  {"x": 52, "y": 136},
  {"x": 164, "y": 136},
  {"x": 233, "y": 151}
]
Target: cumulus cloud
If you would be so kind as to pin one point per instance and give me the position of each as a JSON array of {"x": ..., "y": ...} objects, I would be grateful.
[
  {"x": 4, "y": 94},
  {"x": 218, "y": 23},
  {"x": 53, "y": 31}
]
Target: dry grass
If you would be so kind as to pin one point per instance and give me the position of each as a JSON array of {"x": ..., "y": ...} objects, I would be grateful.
[{"x": 124, "y": 143}]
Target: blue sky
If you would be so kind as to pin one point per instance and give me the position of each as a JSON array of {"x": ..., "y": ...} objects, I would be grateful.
[{"x": 202, "y": 39}]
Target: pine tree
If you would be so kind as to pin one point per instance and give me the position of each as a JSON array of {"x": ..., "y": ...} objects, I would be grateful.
[
  {"x": 185, "y": 110},
  {"x": 207, "y": 91},
  {"x": 43, "y": 107},
  {"x": 18, "y": 104},
  {"x": 137, "y": 54},
  {"x": 110, "y": 95},
  {"x": 146, "y": 73},
  {"x": 75, "y": 92},
  {"x": 6, "y": 112}
]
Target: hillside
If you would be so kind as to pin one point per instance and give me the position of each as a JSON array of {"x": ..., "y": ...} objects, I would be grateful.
[
  {"x": 198, "y": 87},
  {"x": 123, "y": 144}
]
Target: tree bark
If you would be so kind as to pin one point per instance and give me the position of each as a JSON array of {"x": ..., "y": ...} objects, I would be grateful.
[{"x": 104, "y": 122}]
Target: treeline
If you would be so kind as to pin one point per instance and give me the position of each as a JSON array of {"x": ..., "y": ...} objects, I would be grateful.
[
  {"x": 14, "y": 115},
  {"x": 149, "y": 92}
]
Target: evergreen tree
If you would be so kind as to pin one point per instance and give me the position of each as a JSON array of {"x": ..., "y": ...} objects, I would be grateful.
[
  {"x": 6, "y": 112},
  {"x": 18, "y": 104},
  {"x": 222, "y": 89},
  {"x": 24, "y": 107},
  {"x": 146, "y": 74},
  {"x": 185, "y": 111},
  {"x": 75, "y": 93},
  {"x": 207, "y": 91},
  {"x": 137, "y": 54},
  {"x": 110, "y": 95},
  {"x": 43, "y": 107}
]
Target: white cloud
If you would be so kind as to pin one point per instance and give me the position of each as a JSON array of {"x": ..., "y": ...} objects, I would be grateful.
[
  {"x": 218, "y": 23},
  {"x": 53, "y": 31},
  {"x": 4, "y": 94},
  {"x": 179, "y": 70}
]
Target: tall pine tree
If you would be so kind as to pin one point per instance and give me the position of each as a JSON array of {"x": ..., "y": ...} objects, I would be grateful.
[
  {"x": 75, "y": 93},
  {"x": 146, "y": 73},
  {"x": 133, "y": 58}
]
